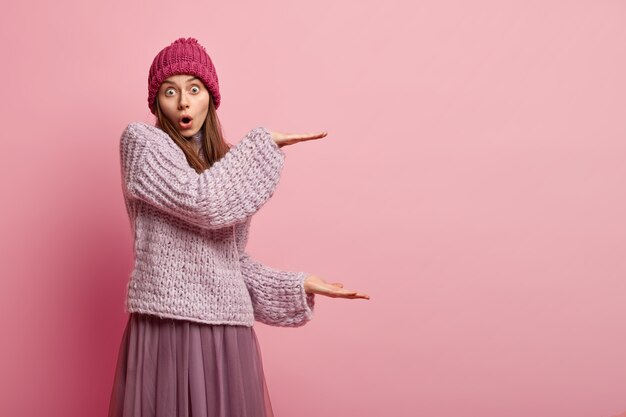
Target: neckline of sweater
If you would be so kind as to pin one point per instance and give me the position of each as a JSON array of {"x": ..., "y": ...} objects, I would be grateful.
[{"x": 197, "y": 138}]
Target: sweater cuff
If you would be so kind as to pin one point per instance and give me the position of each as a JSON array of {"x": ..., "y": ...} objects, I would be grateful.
[
  {"x": 308, "y": 299},
  {"x": 267, "y": 137}
]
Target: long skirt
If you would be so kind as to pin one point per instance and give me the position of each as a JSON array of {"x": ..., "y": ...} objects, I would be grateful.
[{"x": 181, "y": 368}]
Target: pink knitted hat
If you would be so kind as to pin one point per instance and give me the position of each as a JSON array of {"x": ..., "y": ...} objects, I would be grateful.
[{"x": 183, "y": 56}]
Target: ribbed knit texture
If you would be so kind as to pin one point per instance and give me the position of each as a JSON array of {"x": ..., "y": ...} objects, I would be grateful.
[{"x": 190, "y": 232}]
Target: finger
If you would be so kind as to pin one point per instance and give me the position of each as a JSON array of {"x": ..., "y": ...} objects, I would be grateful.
[
  {"x": 358, "y": 295},
  {"x": 306, "y": 136},
  {"x": 352, "y": 294},
  {"x": 314, "y": 134},
  {"x": 337, "y": 292},
  {"x": 349, "y": 296}
]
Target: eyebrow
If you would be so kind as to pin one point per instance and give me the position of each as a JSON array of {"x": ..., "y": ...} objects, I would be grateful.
[{"x": 191, "y": 79}]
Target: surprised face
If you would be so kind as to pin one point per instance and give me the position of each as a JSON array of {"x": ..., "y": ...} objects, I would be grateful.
[{"x": 184, "y": 100}]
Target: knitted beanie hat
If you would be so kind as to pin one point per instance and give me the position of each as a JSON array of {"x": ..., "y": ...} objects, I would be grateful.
[{"x": 183, "y": 56}]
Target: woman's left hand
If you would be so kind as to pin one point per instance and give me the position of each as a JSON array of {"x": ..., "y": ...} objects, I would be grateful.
[{"x": 316, "y": 285}]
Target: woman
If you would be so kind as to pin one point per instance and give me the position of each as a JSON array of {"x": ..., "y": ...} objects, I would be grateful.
[{"x": 189, "y": 347}]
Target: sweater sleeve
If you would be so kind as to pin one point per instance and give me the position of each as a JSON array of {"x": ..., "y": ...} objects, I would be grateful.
[
  {"x": 278, "y": 297},
  {"x": 155, "y": 170}
]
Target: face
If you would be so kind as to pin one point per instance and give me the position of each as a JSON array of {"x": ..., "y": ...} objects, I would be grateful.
[{"x": 184, "y": 95}]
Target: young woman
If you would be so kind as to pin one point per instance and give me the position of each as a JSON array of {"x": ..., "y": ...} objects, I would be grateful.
[{"x": 189, "y": 347}]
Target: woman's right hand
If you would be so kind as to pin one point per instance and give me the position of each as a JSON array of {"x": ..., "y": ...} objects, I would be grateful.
[{"x": 282, "y": 139}]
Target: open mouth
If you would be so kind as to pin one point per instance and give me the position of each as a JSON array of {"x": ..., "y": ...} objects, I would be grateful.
[{"x": 185, "y": 122}]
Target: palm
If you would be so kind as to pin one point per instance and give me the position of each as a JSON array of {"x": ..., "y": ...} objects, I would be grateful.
[
  {"x": 315, "y": 284},
  {"x": 283, "y": 139}
]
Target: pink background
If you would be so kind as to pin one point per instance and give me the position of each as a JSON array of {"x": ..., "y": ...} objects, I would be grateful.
[{"x": 472, "y": 183}]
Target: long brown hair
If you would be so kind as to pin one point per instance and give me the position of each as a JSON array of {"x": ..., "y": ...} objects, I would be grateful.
[{"x": 214, "y": 147}]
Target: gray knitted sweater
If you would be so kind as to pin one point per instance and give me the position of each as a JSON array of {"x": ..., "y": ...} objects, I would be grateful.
[{"x": 190, "y": 232}]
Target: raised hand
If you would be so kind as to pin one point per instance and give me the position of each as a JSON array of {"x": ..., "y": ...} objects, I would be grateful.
[
  {"x": 282, "y": 139},
  {"x": 316, "y": 285}
]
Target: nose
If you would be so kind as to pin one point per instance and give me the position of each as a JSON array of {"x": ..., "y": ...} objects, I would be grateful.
[{"x": 183, "y": 103}]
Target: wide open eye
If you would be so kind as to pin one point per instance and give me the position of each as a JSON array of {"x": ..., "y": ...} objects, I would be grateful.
[{"x": 197, "y": 89}]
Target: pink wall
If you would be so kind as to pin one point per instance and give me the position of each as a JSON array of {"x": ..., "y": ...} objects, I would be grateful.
[{"x": 472, "y": 183}]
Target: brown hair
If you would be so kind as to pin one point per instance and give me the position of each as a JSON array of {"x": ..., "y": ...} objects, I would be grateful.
[{"x": 214, "y": 147}]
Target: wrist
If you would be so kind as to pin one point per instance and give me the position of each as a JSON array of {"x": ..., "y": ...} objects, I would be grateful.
[{"x": 307, "y": 284}]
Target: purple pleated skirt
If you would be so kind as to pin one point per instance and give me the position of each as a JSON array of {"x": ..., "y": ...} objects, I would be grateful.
[{"x": 181, "y": 368}]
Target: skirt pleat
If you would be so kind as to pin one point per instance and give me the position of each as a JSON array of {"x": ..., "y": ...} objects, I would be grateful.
[{"x": 180, "y": 368}]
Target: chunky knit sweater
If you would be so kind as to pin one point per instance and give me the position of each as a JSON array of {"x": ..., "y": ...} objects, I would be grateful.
[{"x": 190, "y": 232}]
